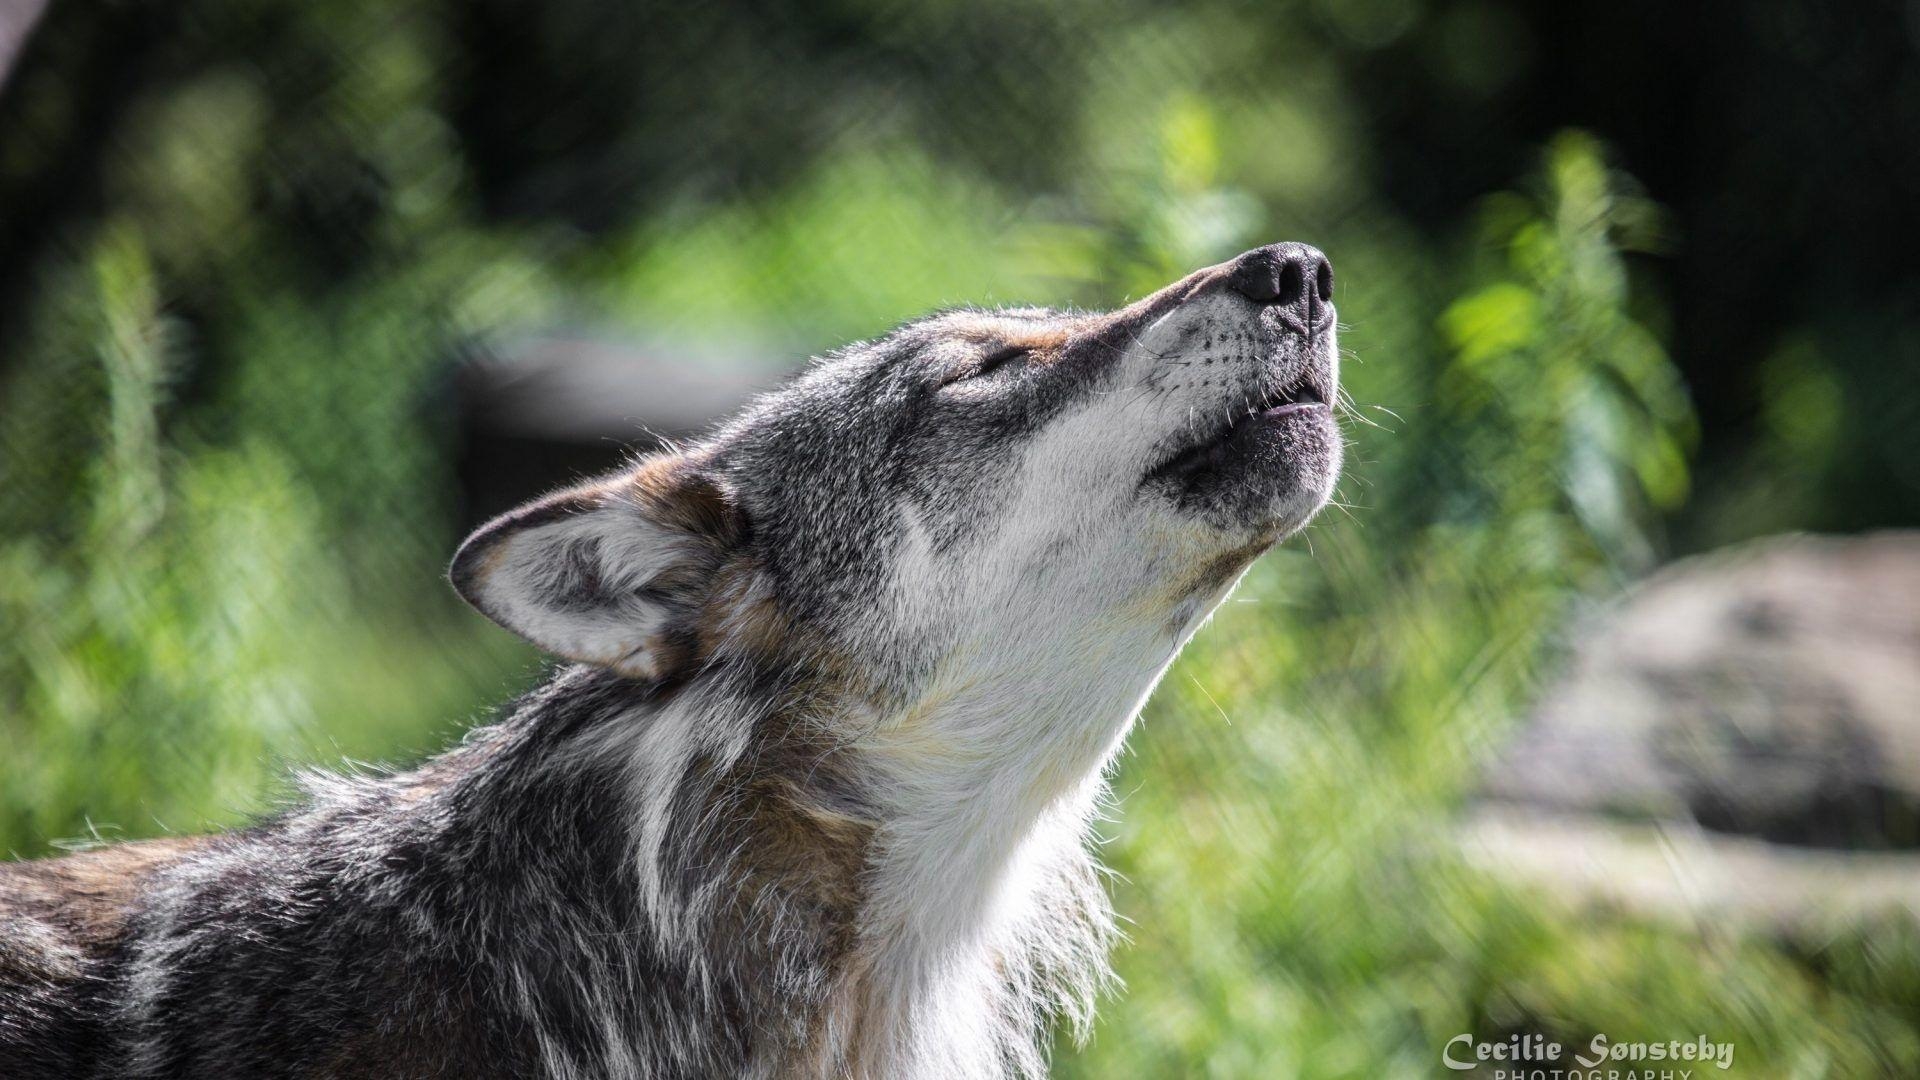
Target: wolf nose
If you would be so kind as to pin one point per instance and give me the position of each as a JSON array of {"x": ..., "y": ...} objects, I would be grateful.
[{"x": 1293, "y": 277}]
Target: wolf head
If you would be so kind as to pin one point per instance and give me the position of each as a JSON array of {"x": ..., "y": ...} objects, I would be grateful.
[{"x": 993, "y": 484}]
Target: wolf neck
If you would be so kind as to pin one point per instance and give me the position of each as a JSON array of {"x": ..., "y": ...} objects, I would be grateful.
[
  {"x": 985, "y": 911},
  {"x": 985, "y": 760},
  {"x": 947, "y": 845}
]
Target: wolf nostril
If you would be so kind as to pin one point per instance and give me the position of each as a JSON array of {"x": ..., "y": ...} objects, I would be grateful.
[
  {"x": 1254, "y": 277},
  {"x": 1323, "y": 281},
  {"x": 1293, "y": 283}
]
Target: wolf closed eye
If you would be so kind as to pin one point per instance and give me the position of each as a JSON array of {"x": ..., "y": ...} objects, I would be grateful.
[
  {"x": 990, "y": 363},
  {"x": 811, "y": 797}
]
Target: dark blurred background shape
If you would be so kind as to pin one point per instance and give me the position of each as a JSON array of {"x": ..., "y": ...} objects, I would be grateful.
[{"x": 291, "y": 294}]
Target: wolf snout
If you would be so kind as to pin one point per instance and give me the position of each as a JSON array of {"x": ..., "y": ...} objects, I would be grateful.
[{"x": 1294, "y": 280}]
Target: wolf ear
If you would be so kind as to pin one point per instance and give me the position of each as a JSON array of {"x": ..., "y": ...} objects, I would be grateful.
[{"x": 608, "y": 573}]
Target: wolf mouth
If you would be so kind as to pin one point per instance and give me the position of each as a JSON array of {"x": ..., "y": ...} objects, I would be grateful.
[{"x": 1277, "y": 406}]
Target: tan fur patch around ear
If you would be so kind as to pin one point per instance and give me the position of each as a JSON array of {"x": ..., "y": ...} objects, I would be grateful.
[
  {"x": 674, "y": 492},
  {"x": 741, "y": 612}
]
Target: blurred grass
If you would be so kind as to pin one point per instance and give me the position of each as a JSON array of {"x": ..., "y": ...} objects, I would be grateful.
[{"x": 203, "y": 579}]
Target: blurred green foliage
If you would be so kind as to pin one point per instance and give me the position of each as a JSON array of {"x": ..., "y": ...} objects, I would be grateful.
[{"x": 227, "y": 449}]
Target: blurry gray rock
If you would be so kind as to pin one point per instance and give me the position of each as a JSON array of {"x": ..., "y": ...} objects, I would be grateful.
[{"x": 1770, "y": 691}]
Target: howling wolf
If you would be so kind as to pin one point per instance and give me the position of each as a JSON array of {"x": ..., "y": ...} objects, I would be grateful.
[{"x": 810, "y": 798}]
